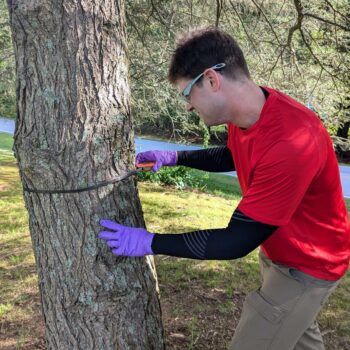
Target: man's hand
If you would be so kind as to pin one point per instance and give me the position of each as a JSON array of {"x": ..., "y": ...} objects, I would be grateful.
[
  {"x": 160, "y": 158},
  {"x": 126, "y": 241}
]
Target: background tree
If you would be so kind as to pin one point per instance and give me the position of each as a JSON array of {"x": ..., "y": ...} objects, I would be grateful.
[
  {"x": 300, "y": 47},
  {"x": 74, "y": 128},
  {"x": 7, "y": 67}
]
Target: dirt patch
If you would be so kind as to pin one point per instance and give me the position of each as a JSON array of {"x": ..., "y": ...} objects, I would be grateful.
[
  {"x": 4, "y": 187},
  {"x": 198, "y": 317},
  {"x": 194, "y": 318},
  {"x": 25, "y": 334}
]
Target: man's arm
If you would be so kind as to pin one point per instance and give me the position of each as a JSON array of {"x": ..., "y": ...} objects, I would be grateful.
[
  {"x": 215, "y": 159},
  {"x": 238, "y": 239}
]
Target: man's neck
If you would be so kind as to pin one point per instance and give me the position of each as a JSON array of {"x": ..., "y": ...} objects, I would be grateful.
[{"x": 247, "y": 101}]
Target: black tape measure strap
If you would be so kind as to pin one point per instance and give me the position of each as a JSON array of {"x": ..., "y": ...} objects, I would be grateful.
[{"x": 88, "y": 188}]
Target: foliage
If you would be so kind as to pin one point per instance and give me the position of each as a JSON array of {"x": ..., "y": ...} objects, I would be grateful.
[
  {"x": 299, "y": 47},
  {"x": 179, "y": 176},
  {"x": 7, "y": 67},
  {"x": 184, "y": 178}
]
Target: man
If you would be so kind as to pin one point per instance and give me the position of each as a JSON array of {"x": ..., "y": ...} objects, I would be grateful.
[{"x": 292, "y": 202}]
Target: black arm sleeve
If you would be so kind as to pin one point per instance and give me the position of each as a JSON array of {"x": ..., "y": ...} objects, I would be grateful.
[
  {"x": 241, "y": 236},
  {"x": 215, "y": 159}
]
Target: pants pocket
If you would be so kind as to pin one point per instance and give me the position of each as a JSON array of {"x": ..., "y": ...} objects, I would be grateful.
[
  {"x": 265, "y": 308},
  {"x": 259, "y": 323}
]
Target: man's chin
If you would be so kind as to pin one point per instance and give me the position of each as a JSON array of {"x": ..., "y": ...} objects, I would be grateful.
[
  {"x": 213, "y": 123},
  {"x": 210, "y": 121}
]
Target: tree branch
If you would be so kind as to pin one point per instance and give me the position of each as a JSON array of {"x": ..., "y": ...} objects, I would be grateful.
[
  {"x": 336, "y": 11},
  {"x": 275, "y": 64},
  {"x": 333, "y": 77},
  {"x": 140, "y": 37},
  {"x": 347, "y": 29},
  {"x": 245, "y": 30},
  {"x": 161, "y": 19},
  {"x": 297, "y": 25},
  {"x": 219, "y": 6},
  {"x": 267, "y": 21},
  {"x": 316, "y": 83}
]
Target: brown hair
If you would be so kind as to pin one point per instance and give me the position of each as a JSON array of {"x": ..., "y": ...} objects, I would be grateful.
[{"x": 202, "y": 48}]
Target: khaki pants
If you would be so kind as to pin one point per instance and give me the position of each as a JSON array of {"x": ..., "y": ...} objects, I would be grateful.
[{"x": 281, "y": 314}]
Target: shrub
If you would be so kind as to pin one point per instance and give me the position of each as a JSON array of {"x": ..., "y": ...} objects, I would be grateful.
[{"x": 180, "y": 177}]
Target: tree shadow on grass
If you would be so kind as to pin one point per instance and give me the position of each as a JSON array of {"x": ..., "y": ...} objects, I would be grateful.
[{"x": 26, "y": 332}]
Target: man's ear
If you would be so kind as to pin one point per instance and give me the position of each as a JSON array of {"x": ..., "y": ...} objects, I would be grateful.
[{"x": 213, "y": 79}]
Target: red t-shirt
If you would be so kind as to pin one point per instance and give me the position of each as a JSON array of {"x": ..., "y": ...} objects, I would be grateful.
[{"x": 289, "y": 175}]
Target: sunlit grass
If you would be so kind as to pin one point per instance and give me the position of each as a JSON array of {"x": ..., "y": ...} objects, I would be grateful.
[
  {"x": 18, "y": 279},
  {"x": 168, "y": 211},
  {"x": 6, "y": 141}
]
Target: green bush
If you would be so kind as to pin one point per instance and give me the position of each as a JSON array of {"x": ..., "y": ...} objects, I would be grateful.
[
  {"x": 7, "y": 67},
  {"x": 180, "y": 177},
  {"x": 7, "y": 104}
]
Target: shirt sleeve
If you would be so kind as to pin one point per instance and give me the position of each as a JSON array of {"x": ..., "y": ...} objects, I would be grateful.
[
  {"x": 239, "y": 238},
  {"x": 280, "y": 180},
  {"x": 214, "y": 159}
]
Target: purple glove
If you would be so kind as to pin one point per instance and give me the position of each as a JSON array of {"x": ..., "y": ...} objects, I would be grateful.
[
  {"x": 126, "y": 241},
  {"x": 159, "y": 157}
]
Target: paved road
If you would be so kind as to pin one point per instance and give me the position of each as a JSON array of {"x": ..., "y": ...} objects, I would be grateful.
[{"x": 146, "y": 145}]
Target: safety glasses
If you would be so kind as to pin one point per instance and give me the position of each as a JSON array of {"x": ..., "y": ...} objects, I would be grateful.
[{"x": 187, "y": 90}]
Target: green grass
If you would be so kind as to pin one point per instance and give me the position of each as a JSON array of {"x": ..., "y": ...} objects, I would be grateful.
[
  {"x": 5, "y": 308},
  {"x": 18, "y": 281},
  {"x": 223, "y": 185},
  {"x": 347, "y": 202},
  {"x": 6, "y": 141},
  {"x": 166, "y": 210}
]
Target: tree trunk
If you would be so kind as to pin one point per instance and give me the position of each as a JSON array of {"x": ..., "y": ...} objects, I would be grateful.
[{"x": 74, "y": 129}]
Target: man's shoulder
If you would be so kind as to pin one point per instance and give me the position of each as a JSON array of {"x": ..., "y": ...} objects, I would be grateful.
[{"x": 284, "y": 103}]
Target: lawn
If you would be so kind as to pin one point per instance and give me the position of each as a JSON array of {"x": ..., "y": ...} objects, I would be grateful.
[{"x": 201, "y": 300}]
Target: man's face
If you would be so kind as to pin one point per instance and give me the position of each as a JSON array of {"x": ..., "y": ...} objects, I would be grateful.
[
  {"x": 218, "y": 99},
  {"x": 204, "y": 98},
  {"x": 193, "y": 100}
]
